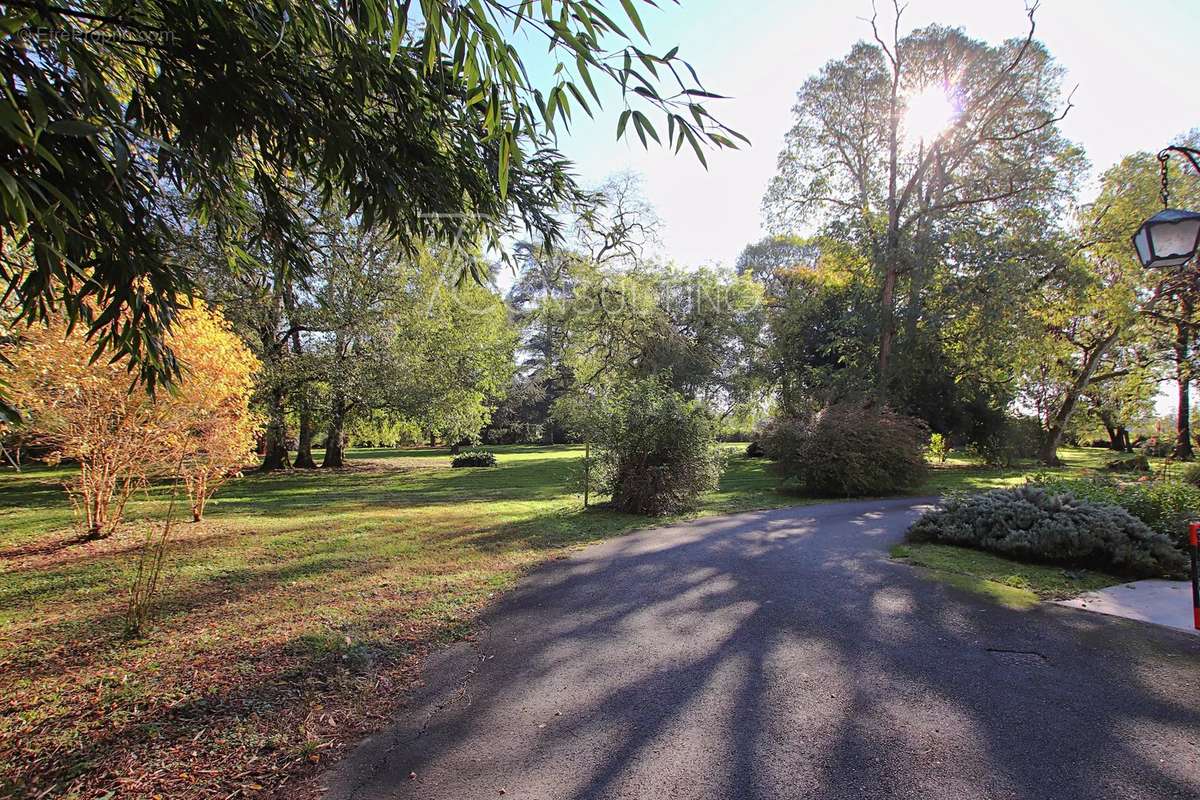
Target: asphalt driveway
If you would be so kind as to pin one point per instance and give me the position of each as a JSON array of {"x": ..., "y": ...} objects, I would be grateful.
[{"x": 781, "y": 654}]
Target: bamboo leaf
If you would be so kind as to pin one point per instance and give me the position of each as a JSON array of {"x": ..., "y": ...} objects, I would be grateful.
[{"x": 631, "y": 12}]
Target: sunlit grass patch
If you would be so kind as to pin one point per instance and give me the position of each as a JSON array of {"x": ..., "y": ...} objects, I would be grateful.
[{"x": 963, "y": 472}]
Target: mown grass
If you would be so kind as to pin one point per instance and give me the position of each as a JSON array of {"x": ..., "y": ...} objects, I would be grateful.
[
  {"x": 963, "y": 473},
  {"x": 291, "y": 620},
  {"x": 1009, "y": 583}
]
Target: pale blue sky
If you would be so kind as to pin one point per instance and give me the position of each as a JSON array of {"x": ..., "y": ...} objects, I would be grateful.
[{"x": 1134, "y": 62}]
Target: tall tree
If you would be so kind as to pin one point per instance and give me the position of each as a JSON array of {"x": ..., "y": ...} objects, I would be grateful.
[
  {"x": 1106, "y": 300},
  {"x": 857, "y": 156},
  {"x": 540, "y": 300},
  {"x": 265, "y": 300},
  {"x": 356, "y": 290},
  {"x": 455, "y": 351},
  {"x": 616, "y": 229},
  {"x": 769, "y": 257},
  {"x": 820, "y": 329},
  {"x": 695, "y": 332}
]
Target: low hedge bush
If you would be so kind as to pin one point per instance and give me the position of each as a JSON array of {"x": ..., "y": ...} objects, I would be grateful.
[
  {"x": 849, "y": 451},
  {"x": 1031, "y": 524},
  {"x": 474, "y": 458}
]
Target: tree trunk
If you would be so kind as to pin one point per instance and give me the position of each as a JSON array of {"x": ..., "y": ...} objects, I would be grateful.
[
  {"x": 1048, "y": 454},
  {"x": 335, "y": 455},
  {"x": 1113, "y": 429},
  {"x": 304, "y": 457},
  {"x": 887, "y": 331},
  {"x": 1114, "y": 438},
  {"x": 275, "y": 449},
  {"x": 891, "y": 247},
  {"x": 1183, "y": 419},
  {"x": 275, "y": 446},
  {"x": 198, "y": 496}
]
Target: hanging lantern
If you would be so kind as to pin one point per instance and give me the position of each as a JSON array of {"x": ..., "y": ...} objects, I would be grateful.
[{"x": 1168, "y": 239}]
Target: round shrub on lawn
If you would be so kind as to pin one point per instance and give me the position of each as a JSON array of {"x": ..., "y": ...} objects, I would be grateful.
[
  {"x": 849, "y": 451},
  {"x": 1027, "y": 523},
  {"x": 655, "y": 453},
  {"x": 474, "y": 458}
]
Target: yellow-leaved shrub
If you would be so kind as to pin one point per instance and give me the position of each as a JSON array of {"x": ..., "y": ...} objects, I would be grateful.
[{"x": 201, "y": 430}]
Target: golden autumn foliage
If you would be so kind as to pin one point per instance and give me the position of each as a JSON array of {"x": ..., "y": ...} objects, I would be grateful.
[
  {"x": 201, "y": 430},
  {"x": 216, "y": 436}
]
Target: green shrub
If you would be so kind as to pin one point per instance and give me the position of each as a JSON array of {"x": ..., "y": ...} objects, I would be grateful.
[
  {"x": 781, "y": 435},
  {"x": 1131, "y": 464},
  {"x": 474, "y": 458},
  {"x": 1191, "y": 474},
  {"x": 1158, "y": 446},
  {"x": 1166, "y": 506},
  {"x": 1096, "y": 490},
  {"x": 655, "y": 452},
  {"x": 849, "y": 451},
  {"x": 1031, "y": 524},
  {"x": 755, "y": 450}
]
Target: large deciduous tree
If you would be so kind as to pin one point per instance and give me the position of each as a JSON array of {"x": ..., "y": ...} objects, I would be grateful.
[
  {"x": 617, "y": 230},
  {"x": 1102, "y": 306},
  {"x": 695, "y": 332},
  {"x": 855, "y": 160},
  {"x": 454, "y": 354}
]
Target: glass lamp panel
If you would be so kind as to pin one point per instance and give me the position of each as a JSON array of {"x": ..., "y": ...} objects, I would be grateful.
[
  {"x": 1141, "y": 241},
  {"x": 1174, "y": 239},
  {"x": 1171, "y": 262}
]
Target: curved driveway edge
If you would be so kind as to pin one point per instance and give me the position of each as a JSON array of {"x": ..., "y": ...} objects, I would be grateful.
[{"x": 781, "y": 654}]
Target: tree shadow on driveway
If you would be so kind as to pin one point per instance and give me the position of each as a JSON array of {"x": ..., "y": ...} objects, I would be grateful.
[{"x": 781, "y": 654}]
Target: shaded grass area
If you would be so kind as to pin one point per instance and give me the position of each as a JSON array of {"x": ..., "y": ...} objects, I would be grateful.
[
  {"x": 292, "y": 619},
  {"x": 1009, "y": 583}
]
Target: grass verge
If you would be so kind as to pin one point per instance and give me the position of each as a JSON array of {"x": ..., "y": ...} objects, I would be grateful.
[{"x": 1009, "y": 583}]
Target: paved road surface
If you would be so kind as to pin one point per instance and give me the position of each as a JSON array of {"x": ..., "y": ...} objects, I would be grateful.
[{"x": 780, "y": 654}]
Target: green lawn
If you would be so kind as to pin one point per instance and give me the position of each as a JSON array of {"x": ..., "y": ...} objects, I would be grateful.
[
  {"x": 962, "y": 473},
  {"x": 291, "y": 619}
]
